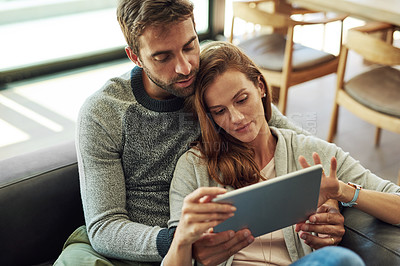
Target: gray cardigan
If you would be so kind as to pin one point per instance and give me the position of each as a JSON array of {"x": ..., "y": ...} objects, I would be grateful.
[{"x": 191, "y": 173}]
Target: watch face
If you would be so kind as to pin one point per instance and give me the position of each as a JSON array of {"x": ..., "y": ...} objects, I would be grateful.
[{"x": 356, "y": 186}]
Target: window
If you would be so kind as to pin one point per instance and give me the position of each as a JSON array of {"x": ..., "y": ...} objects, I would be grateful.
[{"x": 43, "y": 36}]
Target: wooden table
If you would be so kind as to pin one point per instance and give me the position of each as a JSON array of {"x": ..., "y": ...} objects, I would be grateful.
[{"x": 378, "y": 10}]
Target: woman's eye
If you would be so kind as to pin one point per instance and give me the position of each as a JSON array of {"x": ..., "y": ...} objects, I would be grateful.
[
  {"x": 242, "y": 99},
  {"x": 219, "y": 112}
]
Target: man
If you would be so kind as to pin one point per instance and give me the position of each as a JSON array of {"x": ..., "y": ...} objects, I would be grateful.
[{"x": 129, "y": 136}]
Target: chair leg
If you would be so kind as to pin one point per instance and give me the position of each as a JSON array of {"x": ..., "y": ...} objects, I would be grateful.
[
  {"x": 377, "y": 136},
  {"x": 334, "y": 121},
  {"x": 398, "y": 179},
  {"x": 283, "y": 93}
]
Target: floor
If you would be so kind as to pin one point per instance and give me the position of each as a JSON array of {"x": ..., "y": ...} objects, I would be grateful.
[{"x": 39, "y": 113}]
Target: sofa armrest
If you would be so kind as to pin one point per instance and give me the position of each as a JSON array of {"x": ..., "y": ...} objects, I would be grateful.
[
  {"x": 377, "y": 242},
  {"x": 40, "y": 204}
]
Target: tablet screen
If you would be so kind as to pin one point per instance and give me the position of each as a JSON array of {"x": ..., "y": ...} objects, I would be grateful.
[{"x": 273, "y": 204}]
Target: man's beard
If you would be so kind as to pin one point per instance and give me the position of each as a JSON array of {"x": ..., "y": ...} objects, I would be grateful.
[{"x": 169, "y": 87}]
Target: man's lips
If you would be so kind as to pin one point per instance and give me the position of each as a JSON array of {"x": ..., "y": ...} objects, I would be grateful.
[{"x": 186, "y": 82}]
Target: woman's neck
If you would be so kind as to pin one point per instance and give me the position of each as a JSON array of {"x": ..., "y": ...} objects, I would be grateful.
[{"x": 264, "y": 149}]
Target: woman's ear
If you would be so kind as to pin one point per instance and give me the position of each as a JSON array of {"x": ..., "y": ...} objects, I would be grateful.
[
  {"x": 261, "y": 86},
  {"x": 133, "y": 57}
]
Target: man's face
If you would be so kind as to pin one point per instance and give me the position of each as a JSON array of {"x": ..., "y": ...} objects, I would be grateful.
[{"x": 169, "y": 57}]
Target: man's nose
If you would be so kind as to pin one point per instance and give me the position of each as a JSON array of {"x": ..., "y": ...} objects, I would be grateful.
[{"x": 183, "y": 65}]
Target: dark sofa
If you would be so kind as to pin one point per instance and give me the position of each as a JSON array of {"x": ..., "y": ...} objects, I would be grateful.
[{"x": 40, "y": 206}]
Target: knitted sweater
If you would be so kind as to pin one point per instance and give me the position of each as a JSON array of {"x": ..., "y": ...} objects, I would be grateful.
[
  {"x": 191, "y": 173},
  {"x": 128, "y": 145}
]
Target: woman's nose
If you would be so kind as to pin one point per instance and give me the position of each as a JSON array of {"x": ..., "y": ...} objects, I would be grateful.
[{"x": 236, "y": 116}]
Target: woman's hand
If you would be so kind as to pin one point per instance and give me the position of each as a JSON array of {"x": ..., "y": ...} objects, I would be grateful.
[
  {"x": 330, "y": 187},
  {"x": 200, "y": 214}
]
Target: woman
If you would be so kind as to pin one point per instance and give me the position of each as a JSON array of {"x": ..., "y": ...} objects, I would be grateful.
[{"x": 238, "y": 148}]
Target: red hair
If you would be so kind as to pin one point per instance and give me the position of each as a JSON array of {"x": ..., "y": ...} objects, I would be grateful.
[{"x": 229, "y": 161}]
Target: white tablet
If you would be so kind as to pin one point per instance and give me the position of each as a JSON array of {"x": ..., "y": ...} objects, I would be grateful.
[{"x": 273, "y": 204}]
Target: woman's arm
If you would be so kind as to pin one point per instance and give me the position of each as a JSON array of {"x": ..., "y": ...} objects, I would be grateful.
[
  {"x": 381, "y": 205},
  {"x": 384, "y": 206}
]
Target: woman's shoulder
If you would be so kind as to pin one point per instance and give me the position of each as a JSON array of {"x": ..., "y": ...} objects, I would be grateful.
[{"x": 193, "y": 156}]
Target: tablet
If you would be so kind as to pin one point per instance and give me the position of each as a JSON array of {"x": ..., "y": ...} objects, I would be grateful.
[{"x": 273, "y": 204}]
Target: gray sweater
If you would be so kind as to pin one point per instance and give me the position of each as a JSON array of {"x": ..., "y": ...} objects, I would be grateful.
[
  {"x": 128, "y": 145},
  {"x": 191, "y": 173}
]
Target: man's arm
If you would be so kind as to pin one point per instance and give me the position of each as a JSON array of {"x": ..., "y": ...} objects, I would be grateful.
[{"x": 111, "y": 231}]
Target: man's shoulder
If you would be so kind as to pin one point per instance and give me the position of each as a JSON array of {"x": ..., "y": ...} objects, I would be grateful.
[{"x": 116, "y": 90}]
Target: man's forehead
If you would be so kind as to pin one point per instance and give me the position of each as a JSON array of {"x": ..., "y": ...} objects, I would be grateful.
[{"x": 161, "y": 37}]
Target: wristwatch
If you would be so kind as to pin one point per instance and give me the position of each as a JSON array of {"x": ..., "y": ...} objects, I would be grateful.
[{"x": 353, "y": 201}]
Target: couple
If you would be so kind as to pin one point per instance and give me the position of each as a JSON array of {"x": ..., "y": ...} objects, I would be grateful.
[{"x": 130, "y": 135}]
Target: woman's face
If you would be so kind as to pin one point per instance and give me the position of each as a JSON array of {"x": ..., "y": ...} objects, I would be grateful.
[{"x": 235, "y": 105}]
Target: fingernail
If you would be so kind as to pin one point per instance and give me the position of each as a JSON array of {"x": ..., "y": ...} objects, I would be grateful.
[
  {"x": 313, "y": 219},
  {"x": 231, "y": 234},
  {"x": 246, "y": 234},
  {"x": 303, "y": 236},
  {"x": 233, "y": 208}
]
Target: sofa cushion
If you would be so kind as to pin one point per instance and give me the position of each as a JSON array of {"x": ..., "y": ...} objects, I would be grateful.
[
  {"x": 40, "y": 204},
  {"x": 377, "y": 242}
]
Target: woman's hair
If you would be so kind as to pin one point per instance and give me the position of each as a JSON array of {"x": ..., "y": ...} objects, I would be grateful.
[
  {"x": 135, "y": 15},
  {"x": 229, "y": 161}
]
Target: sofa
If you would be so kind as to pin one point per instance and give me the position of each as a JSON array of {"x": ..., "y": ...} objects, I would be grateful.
[{"x": 40, "y": 206}]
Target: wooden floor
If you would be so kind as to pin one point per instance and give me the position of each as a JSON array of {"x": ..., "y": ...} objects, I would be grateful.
[{"x": 58, "y": 99}]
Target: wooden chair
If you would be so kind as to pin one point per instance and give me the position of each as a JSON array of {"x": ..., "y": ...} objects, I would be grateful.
[
  {"x": 283, "y": 62},
  {"x": 373, "y": 95}
]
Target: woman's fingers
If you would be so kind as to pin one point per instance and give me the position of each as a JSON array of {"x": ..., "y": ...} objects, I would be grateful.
[
  {"x": 201, "y": 192},
  {"x": 303, "y": 162},
  {"x": 316, "y": 158},
  {"x": 333, "y": 167}
]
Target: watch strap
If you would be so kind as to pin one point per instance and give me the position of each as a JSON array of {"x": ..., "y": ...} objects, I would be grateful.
[{"x": 355, "y": 197}]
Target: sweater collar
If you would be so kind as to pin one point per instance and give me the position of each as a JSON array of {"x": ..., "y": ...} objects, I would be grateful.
[{"x": 169, "y": 105}]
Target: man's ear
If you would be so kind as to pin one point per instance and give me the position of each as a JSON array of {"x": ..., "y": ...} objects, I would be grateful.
[{"x": 133, "y": 57}]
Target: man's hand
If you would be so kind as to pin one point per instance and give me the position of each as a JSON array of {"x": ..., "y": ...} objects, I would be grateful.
[
  {"x": 215, "y": 248},
  {"x": 327, "y": 223}
]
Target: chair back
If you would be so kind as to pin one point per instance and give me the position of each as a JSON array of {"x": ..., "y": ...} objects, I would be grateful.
[
  {"x": 250, "y": 13},
  {"x": 372, "y": 48}
]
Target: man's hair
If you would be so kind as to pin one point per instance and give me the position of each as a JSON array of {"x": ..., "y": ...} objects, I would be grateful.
[
  {"x": 135, "y": 15},
  {"x": 229, "y": 161}
]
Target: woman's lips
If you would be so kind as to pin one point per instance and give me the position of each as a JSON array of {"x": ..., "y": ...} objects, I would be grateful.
[{"x": 243, "y": 128}]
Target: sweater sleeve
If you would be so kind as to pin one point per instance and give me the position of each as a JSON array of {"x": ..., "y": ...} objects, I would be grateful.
[
  {"x": 111, "y": 232},
  {"x": 278, "y": 120},
  {"x": 190, "y": 174}
]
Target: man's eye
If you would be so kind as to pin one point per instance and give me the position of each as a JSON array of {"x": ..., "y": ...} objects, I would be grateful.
[
  {"x": 161, "y": 58},
  {"x": 189, "y": 47}
]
